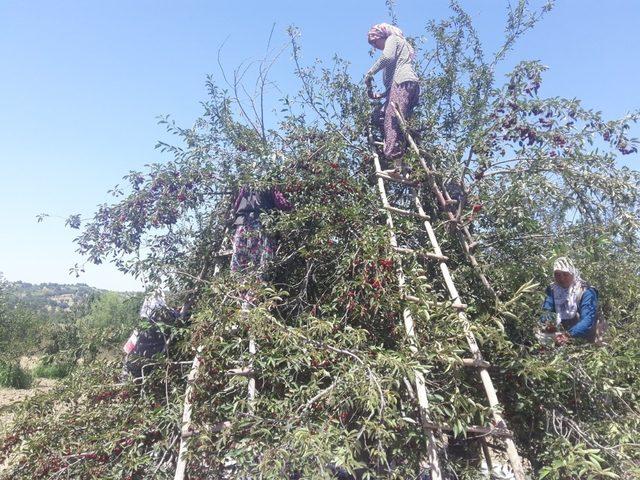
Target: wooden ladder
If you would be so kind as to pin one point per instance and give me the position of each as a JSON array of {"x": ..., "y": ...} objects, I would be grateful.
[
  {"x": 500, "y": 429},
  {"x": 186, "y": 431}
]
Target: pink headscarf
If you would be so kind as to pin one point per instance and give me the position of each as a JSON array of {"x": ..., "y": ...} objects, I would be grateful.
[{"x": 384, "y": 30}]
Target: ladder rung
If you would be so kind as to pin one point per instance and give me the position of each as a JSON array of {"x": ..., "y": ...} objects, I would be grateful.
[
  {"x": 451, "y": 201},
  {"x": 414, "y": 299},
  {"x": 492, "y": 431},
  {"x": 240, "y": 372},
  {"x": 389, "y": 178},
  {"x": 475, "y": 363},
  {"x": 218, "y": 427},
  {"x": 404, "y": 250},
  {"x": 224, "y": 253},
  {"x": 408, "y": 213},
  {"x": 433, "y": 256}
]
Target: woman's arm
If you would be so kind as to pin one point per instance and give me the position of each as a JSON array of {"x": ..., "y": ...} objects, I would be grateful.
[
  {"x": 587, "y": 309},
  {"x": 549, "y": 304},
  {"x": 388, "y": 55}
]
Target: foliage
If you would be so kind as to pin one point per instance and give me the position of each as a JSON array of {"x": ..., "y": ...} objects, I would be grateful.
[
  {"x": 12, "y": 375},
  {"x": 55, "y": 367},
  {"x": 20, "y": 327},
  {"x": 537, "y": 177},
  {"x": 109, "y": 322},
  {"x": 92, "y": 322},
  {"x": 53, "y": 298}
]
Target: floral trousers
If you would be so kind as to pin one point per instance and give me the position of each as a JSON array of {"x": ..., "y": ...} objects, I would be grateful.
[
  {"x": 252, "y": 249},
  {"x": 405, "y": 96}
]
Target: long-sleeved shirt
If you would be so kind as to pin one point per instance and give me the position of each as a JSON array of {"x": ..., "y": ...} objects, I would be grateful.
[
  {"x": 587, "y": 310},
  {"x": 151, "y": 337},
  {"x": 396, "y": 61},
  {"x": 250, "y": 202}
]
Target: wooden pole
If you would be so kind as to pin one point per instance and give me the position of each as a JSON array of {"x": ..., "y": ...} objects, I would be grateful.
[
  {"x": 512, "y": 452},
  {"x": 465, "y": 237},
  {"x": 185, "y": 430},
  {"x": 431, "y": 458}
]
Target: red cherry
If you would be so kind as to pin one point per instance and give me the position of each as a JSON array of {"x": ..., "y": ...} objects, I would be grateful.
[{"x": 386, "y": 263}]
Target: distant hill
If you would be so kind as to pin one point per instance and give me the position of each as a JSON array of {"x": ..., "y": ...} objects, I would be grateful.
[{"x": 49, "y": 297}]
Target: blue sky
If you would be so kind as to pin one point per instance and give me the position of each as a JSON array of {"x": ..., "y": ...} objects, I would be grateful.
[{"x": 81, "y": 84}]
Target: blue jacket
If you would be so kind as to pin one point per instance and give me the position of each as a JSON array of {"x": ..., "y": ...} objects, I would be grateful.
[{"x": 587, "y": 311}]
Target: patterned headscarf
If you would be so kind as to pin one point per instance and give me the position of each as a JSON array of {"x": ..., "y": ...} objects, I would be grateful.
[
  {"x": 566, "y": 299},
  {"x": 564, "y": 264},
  {"x": 384, "y": 30},
  {"x": 153, "y": 301}
]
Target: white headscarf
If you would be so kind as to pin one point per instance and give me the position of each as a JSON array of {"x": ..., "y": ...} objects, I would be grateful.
[
  {"x": 566, "y": 299},
  {"x": 384, "y": 30},
  {"x": 152, "y": 302}
]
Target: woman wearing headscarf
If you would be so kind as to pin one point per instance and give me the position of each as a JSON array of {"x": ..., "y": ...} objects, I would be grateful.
[
  {"x": 252, "y": 248},
  {"x": 574, "y": 302},
  {"x": 400, "y": 81},
  {"x": 151, "y": 337}
]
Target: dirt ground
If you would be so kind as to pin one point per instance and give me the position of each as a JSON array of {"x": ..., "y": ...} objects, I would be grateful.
[{"x": 9, "y": 397}]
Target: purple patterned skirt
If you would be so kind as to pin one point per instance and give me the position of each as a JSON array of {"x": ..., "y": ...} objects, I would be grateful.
[
  {"x": 405, "y": 96},
  {"x": 252, "y": 248}
]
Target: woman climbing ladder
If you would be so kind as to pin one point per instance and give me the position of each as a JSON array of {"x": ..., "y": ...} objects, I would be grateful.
[{"x": 401, "y": 86}]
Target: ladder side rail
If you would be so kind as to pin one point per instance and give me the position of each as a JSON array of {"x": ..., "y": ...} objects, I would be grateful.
[
  {"x": 420, "y": 383},
  {"x": 465, "y": 238},
  {"x": 185, "y": 431},
  {"x": 490, "y": 391},
  {"x": 187, "y": 412},
  {"x": 512, "y": 453}
]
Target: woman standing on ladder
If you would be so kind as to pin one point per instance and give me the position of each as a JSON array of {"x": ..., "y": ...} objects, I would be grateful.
[
  {"x": 252, "y": 247},
  {"x": 401, "y": 86}
]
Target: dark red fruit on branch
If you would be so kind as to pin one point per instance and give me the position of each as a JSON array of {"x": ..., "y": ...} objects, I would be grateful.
[
  {"x": 627, "y": 151},
  {"x": 477, "y": 207},
  {"x": 386, "y": 263},
  {"x": 351, "y": 305}
]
